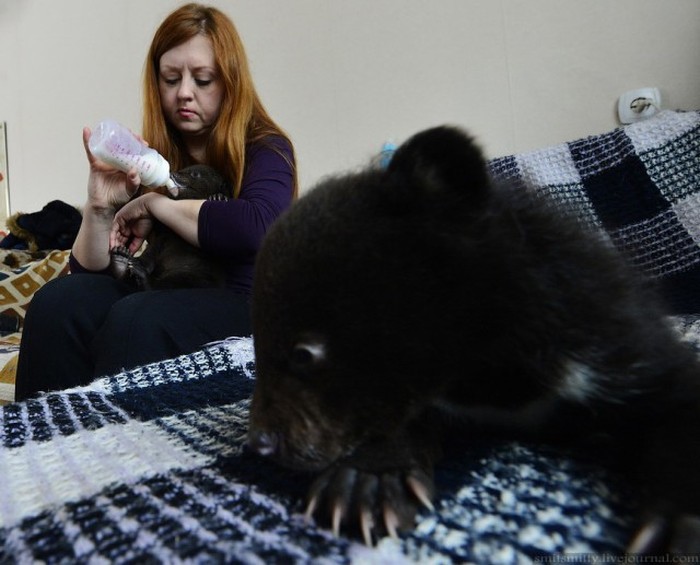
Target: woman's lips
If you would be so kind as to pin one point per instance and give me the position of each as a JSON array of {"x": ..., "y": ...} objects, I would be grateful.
[{"x": 186, "y": 113}]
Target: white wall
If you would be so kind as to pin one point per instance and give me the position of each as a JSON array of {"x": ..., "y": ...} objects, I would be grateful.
[{"x": 344, "y": 76}]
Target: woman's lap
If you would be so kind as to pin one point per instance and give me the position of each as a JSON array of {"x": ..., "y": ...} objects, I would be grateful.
[
  {"x": 84, "y": 326},
  {"x": 159, "y": 324}
]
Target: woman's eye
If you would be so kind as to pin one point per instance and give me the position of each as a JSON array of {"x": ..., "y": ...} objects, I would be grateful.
[
  {"x": 203, "y": 82},
  {"x": 171, "y": 81}
]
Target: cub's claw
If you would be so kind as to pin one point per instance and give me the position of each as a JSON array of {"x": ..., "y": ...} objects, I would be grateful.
[
  {"x": 418, "y": 483},
  {"x": 662, "y": 535},
  {"x": 374, "y": 504},
  {"x": 338, "y": 512},
  {"x": 218, "y": 197},
  {"x": 391, "y": 521},
  {"x": 311, "y": 508},
  {"x": 366, "y": 525}
]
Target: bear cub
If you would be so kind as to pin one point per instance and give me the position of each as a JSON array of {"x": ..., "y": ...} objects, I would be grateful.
[
  {"x": 168, "y": 260},
  {"x": 392, "y": 305}
]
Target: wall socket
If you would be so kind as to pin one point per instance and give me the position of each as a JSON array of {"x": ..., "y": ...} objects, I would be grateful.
[
  {"x": 637, "y": 105},
  {"x": 4, "y": 177}
]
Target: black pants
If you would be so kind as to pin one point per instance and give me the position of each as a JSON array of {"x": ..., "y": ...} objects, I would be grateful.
[{"x": 85, "y": 326}]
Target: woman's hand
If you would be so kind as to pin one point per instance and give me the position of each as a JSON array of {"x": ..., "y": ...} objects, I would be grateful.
[
  {"x": 133, "y": 222},
  {"x": 108, "y": 188}
]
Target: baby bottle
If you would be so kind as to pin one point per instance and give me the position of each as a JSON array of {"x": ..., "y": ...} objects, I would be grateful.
[{"x": 114, "y": 144}]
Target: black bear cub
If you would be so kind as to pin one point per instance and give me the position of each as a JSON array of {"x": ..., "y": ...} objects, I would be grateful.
[
  {"x": 389, "y": 304},
  {"x": 168, "y": 260}
]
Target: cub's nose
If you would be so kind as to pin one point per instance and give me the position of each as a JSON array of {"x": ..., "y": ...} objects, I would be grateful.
[{"x": 263, "y": 443}]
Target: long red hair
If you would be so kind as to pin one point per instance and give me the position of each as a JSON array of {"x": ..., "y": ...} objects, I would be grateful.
[{"x": 242, "y": 119}]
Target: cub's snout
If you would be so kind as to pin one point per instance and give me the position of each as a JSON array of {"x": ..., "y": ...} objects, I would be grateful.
[
  {"x": 289, "y": 428},
  {"x": 263, "y": 443}
]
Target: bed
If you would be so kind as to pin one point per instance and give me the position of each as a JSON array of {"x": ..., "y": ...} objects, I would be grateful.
[{"x": 150, "y": 465}]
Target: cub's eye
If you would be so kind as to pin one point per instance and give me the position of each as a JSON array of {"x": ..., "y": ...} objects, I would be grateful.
[{"x": 306, "y": 355}]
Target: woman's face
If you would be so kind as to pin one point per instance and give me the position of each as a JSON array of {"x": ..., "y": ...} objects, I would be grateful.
[{"x": 191, "y": 91}]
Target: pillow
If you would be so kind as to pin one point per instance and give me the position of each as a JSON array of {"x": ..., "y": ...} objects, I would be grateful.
[
  {"x": 20, "y": 277},
  {"x": 18, "y": 284}
]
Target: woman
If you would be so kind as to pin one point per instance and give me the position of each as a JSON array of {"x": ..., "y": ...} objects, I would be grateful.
[{"x": 200, "y": 106}]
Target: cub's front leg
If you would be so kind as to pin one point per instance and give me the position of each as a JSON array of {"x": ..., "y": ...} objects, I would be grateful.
[{"x": 378, "y": 489}]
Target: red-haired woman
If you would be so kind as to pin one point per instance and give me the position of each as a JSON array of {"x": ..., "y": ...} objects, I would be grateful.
[{"x": 200, "y": 106}]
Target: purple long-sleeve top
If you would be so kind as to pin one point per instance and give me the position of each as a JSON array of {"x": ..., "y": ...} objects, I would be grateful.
[{"x": 234, "y": 229}]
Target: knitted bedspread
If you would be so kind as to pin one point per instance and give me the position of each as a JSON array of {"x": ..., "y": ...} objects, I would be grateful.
[
  {"x": 639, "y": 184},
  {"x": 149, "y": 465}
]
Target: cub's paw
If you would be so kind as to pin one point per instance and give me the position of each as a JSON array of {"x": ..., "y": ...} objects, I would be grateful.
[
  {"x": 376, "y": 503},
  {"x": 678, "y": 535},
  {"x": 218, "y": 197},
  {"x": 124, "y": 266},
  {"x": 119, "y": 263}
]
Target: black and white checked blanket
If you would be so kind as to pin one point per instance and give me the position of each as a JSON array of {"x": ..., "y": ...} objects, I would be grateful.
[
  {"x": 640, "y": 184},
  {"x": 148, "y": 466}
]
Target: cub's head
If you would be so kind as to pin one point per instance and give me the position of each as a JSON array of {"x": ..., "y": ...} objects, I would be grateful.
[
  {"x": 347, "y": 284},
  {"x": 198, "y": 181}
]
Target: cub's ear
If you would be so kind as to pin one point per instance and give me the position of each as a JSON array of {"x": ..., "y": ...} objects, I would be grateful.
[{"x": 442, "y": 159}]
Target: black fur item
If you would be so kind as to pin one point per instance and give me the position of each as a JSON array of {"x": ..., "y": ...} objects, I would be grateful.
[
  {"x": 391, "y": 305},
  {"x": 168, "y": 260}
]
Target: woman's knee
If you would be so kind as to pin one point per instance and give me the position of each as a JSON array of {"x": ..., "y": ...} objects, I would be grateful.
[
  {"x": 133, "y": 333},
  {"x": 158, "y": 324},
  {"x": 74, "y": 297},
  {"x": 57, "y": 293},
  {"x": 80, "y": 290},
  {"x": 128, "y": 315}
]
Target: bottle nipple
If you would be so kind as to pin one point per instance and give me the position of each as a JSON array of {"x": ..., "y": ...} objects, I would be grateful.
[{"x": 172, "y": 187}]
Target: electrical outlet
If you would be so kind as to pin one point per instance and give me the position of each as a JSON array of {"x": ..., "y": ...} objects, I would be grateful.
[
  {"x": 637, "y": 105},
  {"x": 4, "y": 176}
]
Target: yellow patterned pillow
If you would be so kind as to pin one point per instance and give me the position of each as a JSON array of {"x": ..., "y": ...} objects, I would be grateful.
[
  {"x": 17, "y": 287},
  {"x": 9, "y": 353}
]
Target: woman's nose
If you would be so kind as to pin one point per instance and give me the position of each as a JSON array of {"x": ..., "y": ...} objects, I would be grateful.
[{"x": 185, "y": 92}]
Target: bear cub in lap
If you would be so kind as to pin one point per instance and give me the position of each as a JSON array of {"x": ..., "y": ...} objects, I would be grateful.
[{"x": 168, "y": 260}]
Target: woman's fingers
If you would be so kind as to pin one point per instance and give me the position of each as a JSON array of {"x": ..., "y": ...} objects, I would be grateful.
[
  {"x": 133, "y": 181},
  {"x": 86, "y": 139}
]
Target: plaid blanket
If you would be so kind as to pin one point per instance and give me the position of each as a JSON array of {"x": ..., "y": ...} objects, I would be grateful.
[
  {"x": 149, "y": 465},
  {"x": 640, "y": 184}
]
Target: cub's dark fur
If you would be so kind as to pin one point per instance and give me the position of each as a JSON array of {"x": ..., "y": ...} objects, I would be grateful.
[
  {"x": 168, "y": 260},
  {"x": 385, "y": 299}
]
